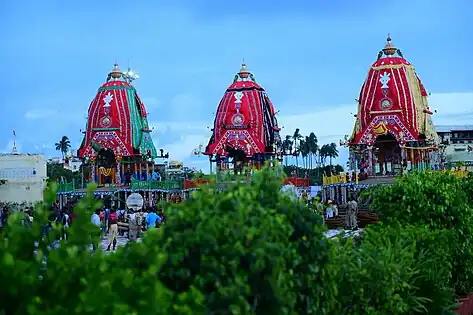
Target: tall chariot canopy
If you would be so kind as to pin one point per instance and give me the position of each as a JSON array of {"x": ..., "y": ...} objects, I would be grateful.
[
  {"x": 117, "y": 120},
  {"x": 245, "y": 120},
  {"x": 394, "y": 101}
]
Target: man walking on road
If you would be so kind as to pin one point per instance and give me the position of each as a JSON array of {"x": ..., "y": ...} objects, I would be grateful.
[
  {"x": 352, "y": 211},
  {"x": 113, "y": 229}
]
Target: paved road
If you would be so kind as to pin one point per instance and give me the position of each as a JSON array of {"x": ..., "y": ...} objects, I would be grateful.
[{"x": 121, "y": 241}]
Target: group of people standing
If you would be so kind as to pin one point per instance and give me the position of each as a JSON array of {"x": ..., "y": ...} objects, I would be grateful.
[
  {"x": 330, "y": 210},
  {"x": 108, "y": 220}
]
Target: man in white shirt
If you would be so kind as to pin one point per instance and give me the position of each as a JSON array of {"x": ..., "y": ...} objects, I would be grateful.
[
  {"x": 95, "y": 219},
  {"x": 352, "y": 211}
]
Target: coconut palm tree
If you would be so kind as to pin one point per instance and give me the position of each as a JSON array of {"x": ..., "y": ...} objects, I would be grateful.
[
  {"x": 287, "y": 147},
  {"x": 296, "y": 137},
  {"x": 63, "y": 145},
  {"x": 305, "y": 151},
  {"x": 333, "y": 151},
  {"x": 313, "y": 147},
  {"x": 323, "y": 154}
]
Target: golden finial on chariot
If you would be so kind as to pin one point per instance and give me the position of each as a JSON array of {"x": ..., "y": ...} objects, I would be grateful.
[{"x": 244, "y": 73}]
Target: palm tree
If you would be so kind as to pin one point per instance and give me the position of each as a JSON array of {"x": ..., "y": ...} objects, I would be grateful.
[
  {"x": 313, "y": 147},
  {"x": 323, "y": 154},
  {"x": 63, "y": 145},
  {"x": 287, "y": 147},
  {"x": 304, "y": 150},
  {"x": 333, "y": 152},
  {"x": 296, "y": 137}
]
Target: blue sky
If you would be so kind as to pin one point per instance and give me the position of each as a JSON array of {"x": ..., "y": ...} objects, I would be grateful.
[{"x": 310, "y": 56}]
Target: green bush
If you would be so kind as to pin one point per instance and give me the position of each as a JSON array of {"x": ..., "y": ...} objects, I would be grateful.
[
  {"x": 38, "y": 278},
  {"x": 249, "y": 250},
  {"x": 395, "y": 270},
  {"x": 440, "y": 201}
]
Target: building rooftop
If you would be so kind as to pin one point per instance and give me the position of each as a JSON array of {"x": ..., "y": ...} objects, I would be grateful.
[
  {"x": 449, "y": 128},
  {"x": 21, "y": 154}
]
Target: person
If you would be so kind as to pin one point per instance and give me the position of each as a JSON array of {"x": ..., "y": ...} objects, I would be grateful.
[
  {"x": 128, "y": 176},
  {"x": 335, "y": 208},
  {"x": 112, "y": 229},
  {"x": 329, "y": 210},
  {"x": 152, "y": 219},
  {"x": 96, "y": 221},
  {"x": 63, "y": 219},
  {"x": 106, "y": 215},
  {"x": 161, "y": 215},
  {"x": 135, "y": 222},
  {"x": 154, "y": 175},
  {"x": 66, "y": 223},
  {"x": 351, "y": 219},
  {"x": 72, "y": 216}
]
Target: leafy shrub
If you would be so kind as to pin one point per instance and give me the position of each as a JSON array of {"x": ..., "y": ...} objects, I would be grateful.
[
  {"x": 439, "y": 201},
  {"x": 395, "y": 270},
  {"x": 249, "y": 250},
  {"x": 41, "y": 278}
]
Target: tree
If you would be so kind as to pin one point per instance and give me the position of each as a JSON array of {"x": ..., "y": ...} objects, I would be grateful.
[
  {"x": 332, "y": 151},
  {"x": 296, "y": 137},
  {"x": 35, "y": 265},
  {"x": 287, "y": 147},
  {"x": 250, "y": 250},
  {"x": 323, "y": 154},
  {"x": 304, "y": 151},
  {"x": 437, "y": 200},
  {"x": 63, "y": 145},
  {"x": 313, "y": 147}
]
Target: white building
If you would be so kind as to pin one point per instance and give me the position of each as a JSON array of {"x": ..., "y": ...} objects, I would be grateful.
[
  {"x": 458, "y": 141},
  {"x": 73, "y": 164},
  {"x": 24, "y": 177}
]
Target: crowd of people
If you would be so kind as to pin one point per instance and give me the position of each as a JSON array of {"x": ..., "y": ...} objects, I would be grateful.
[
  {"x": 330, "y": 210},
  {"x": 112, "y": 223}
]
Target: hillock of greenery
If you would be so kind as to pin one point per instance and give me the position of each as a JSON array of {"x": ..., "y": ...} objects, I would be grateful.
[
  {"x": 396, "y": 270},
  {"x": 250, "y": 249},
  {"x": 247, "y": 250},
  {"x": 440, "y": 201}
]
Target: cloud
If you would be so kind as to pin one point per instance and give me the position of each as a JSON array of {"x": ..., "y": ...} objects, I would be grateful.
[
  {"x": 9, "y": 147},
  {"x": 37, "y": 114},
  {"x": 330, "y": 124},
  {"x": 452, "y": 108},
  {"x": 184, "y": 147},
  {"x": 151, "y": 103}
]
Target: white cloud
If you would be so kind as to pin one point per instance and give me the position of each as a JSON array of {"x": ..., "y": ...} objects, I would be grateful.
[
  {"x": 151, "y": 103},
  {"x": 9, "y": 147},
  {"x": 452, "y": 108},
  {"x": 183, "y": 148},
  {"x": 35, "y": 114},
  {"x": 179, "y": 127},
  {"x": 186, "y": 106},
  {"x": 330, "y": 124}
]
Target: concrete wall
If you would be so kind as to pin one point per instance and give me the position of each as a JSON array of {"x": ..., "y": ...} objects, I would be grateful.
[{"x": 25, "y": 177}]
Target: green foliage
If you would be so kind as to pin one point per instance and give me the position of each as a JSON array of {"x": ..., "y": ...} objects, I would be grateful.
[
  {"x": 63, "y": 145},
  {"x": 314, "y": 174},
  {"x": 56, "y": 172},
  {"x": 250, "y": 250},
  {"x": 247, "y": 250},
  {"x": 437, "y": 200},
  {"x": 396, "y": 270},
  {"x": 41, "y": 278}
]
